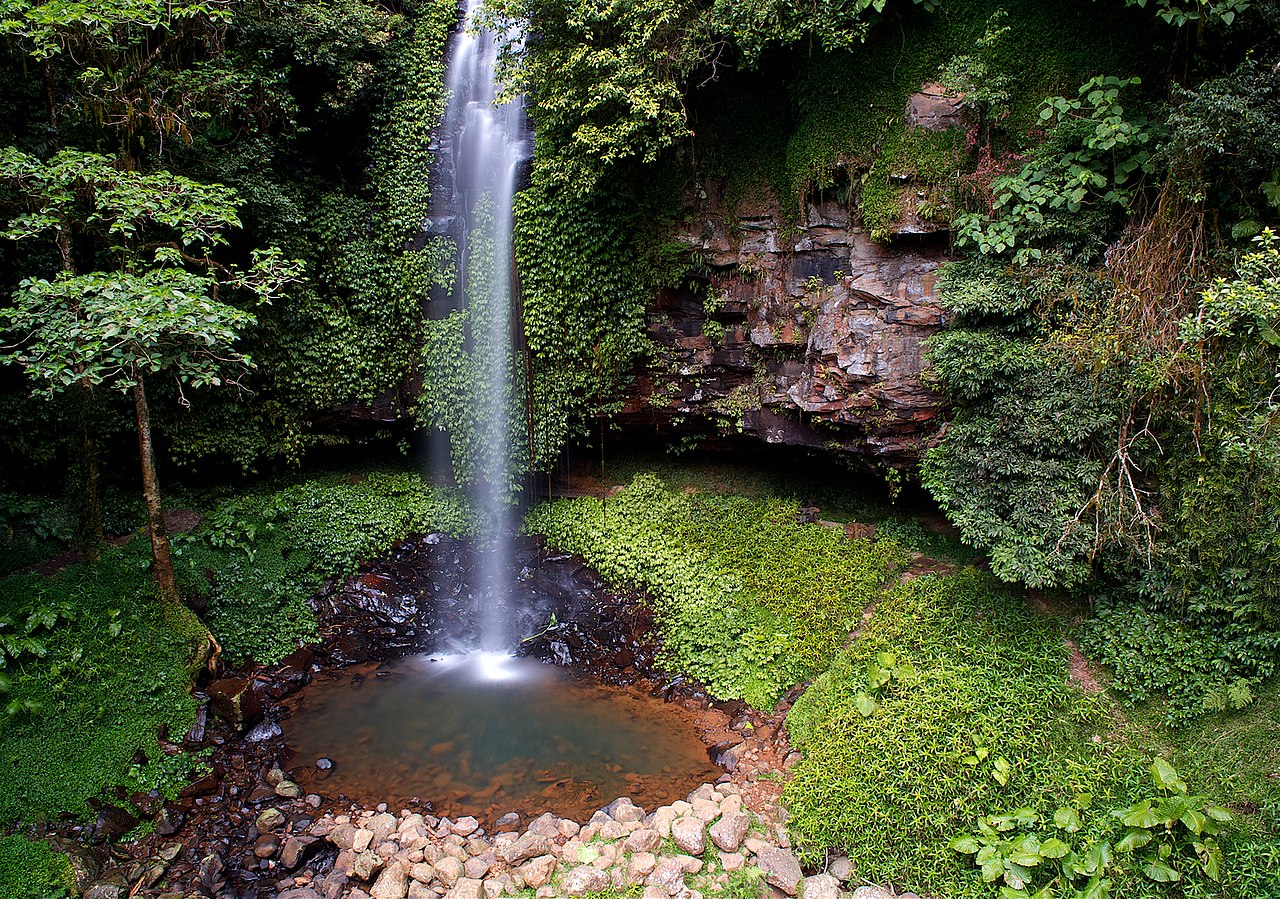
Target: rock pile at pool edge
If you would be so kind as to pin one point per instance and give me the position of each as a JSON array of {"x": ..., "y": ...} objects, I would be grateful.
[{"x": 687, "y": 850}]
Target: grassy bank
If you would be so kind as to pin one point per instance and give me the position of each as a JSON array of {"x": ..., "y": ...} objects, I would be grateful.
[{"x": 749, "y": 600}]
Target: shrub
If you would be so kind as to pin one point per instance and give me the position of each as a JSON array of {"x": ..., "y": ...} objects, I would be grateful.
[{"x": 108, "y": 671}]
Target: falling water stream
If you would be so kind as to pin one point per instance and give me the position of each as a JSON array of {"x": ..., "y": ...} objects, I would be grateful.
[
  {"x": 476, "y": 729},
  {"x": 484, "y": 143}
]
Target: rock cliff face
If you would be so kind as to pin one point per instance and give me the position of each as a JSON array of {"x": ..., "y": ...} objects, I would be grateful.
[{"x": 808, "y": 334}]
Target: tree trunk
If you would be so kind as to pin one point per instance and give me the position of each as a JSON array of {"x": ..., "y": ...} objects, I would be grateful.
[
  {"x": 165, "y": 581},
  {"x": 89, "y": 535}
]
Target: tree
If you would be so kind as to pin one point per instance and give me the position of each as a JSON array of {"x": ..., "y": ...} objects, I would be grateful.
[{"x": 155, "y": 310}]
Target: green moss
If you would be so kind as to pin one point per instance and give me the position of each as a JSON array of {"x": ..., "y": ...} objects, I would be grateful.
[
  {"x": 844, "y": 108},
  {"x": 912, "y": 161},
  {"x": 113, "y": 668},
  {"x": 29, "y": 869},
  {"x": 747, "y": 599},
  {"x": 894, "y": 787}
]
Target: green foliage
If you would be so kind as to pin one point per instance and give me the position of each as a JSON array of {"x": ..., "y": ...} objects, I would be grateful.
[
  {"x": 1018, "y": 462},
  {"x": 1201, "y": 626},
  {"x": 30, "y": 869},
  {"x": 1183, "y": 12},
  {"x": 111, "y": 675},
  {"x": 1167, "y": 837},
  {"x": 1224, "y": 143},
  {"x": 148, "y": 312},
  {"x": 168, "y": 774},
  {"x": 927, "y": 161},
  {"x": 32, "y": 528},
  {"x": 268, "y": 553},
  {"x": 584, "y": 284},
  {"x": 470, "y": 369},
  {"x": 845, "y": 108},
  {"x": 1093, "y": 153},
  {"x": 987, "y": 722},
  {"x": 608, "y": 81},
  {"x": 746, "y": 599}
]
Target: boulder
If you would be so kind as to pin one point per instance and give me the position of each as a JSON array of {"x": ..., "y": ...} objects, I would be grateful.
[
  {"x": 537, "y": 872},
  {"x": 266, "y": 845},
  {"x": 841, "y": 868},
  {"x": 821, "y": 886},
  {"x": 392, "y": 883},
  {"x": 669, "y": 875},
  {"x": 449, "y": 870},
  {"x": 235, "y": 701},
  {"x": 780, "y": 869},
  {"x": 872, "y": 892},
  {"x": 466, "y": 888},
  {"x": 624, "y": 810},
  {"x": 366, "y": 864},
  {"x": 526, "y": 847},
  {"x": 642, "y": 840},
  {"x": 729, "y": 832},
  {"x": 585, "y": 879},
  {"x": 270, "y": 819},
  {"x": 422, "y": 872},
  {"x": 689, "y": 834},
  {"x": 465, "y": 826},
  {"x": 478, "y": 866},
  {"x": 382, "y": 826},
  {"x": 640, "y": 866}
]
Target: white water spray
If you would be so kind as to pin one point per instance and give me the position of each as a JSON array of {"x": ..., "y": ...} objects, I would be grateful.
[{"x": 482, "y": 147}]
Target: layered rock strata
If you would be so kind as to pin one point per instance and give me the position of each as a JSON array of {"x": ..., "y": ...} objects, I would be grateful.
[{"x": 808, "y": 333}]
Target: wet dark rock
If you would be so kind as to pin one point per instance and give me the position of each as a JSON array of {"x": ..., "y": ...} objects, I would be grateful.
[
  {"x": 196, "y": 733},
  {"x": 169, "y": 821},
  {"x": 112, "y": 822},
  {"x": 86, "y": 863},
  {"x": 266, "y": 845},
  {"x": 297, "y": 850},
  {"x": 202, "y": 787},
  {"x": 422, "y": 596},
  {"x": 147, "y": 804},
  {"x": 234, "y": 699},
  {"x": 263, "y": 731}
]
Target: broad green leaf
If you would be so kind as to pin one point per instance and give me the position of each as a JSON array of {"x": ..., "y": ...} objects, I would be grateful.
[
  {"x": 1211, "y": 860},
  {"x": 1166, "y": 778},
  {"x": 1016, "y": 875},
  {"x": 1067, "y": 819},
  {"x": 864, "y": 704},
  {"x": 1139, "y": 815},
  {"x": 1135, "y": 838},
  {"x": 1218, "y": 813},
  {"x": 1025, "y": 851},
  {"x": 1054, "y": 848},
  {"x": 1156, "y": 869},
  {"x": 1193, "y": 820},
  {"x": 966, "y": 844}
]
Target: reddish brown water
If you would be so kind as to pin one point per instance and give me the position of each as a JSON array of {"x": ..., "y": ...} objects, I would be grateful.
[{"x": 485, "y": 734}]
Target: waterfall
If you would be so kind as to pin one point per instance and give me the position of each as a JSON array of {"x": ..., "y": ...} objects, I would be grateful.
[{"x": 482, "y": 146}]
